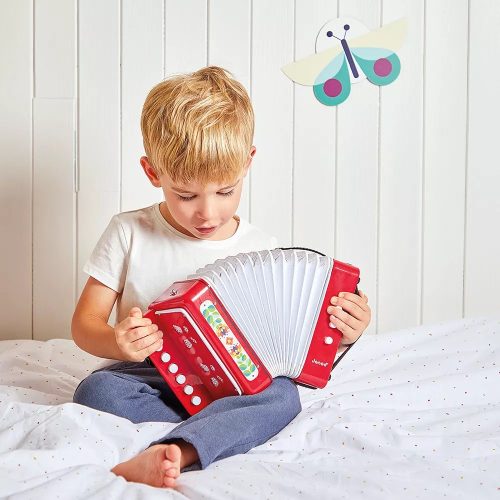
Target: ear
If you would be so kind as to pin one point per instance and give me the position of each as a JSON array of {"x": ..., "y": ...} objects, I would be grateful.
[
  {"x": 150, "y": 172},
  {"x": 253, "y": 150}
]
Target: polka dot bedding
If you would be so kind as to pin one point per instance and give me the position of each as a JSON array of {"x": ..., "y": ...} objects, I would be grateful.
[{"x": 413, "y": 413}]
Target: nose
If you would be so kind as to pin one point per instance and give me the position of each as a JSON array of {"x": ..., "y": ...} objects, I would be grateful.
[{"x": 205, "y": 210}]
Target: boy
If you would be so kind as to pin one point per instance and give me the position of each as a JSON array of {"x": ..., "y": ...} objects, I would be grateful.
[{"x": 197, "y": 131}]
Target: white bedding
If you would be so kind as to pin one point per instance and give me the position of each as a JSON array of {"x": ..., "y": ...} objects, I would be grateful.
[{"x": 408, "y": 414}]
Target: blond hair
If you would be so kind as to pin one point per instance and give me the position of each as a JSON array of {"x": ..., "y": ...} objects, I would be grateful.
[{"x": 198, "y": 127}]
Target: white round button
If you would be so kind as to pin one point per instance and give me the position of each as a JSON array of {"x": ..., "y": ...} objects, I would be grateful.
[
  {"x": 165, "y": 357},
  {"x": 180, "y": 378},
  {"x": 173, "y": 368},
  {"x": 196, "y": 400},
  {"x": 328, "y": 340},
  {"x": 188, "y": 390}
]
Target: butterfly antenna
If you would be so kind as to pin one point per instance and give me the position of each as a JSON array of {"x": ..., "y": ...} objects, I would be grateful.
[{"x": 347, "y": 28}]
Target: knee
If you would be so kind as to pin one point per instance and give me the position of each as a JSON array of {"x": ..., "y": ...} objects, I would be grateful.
[
  {"x": 285, "y": 396},
  {"x": 95, "y": 390}
]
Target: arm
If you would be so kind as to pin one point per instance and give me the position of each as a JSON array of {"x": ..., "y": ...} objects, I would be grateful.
[
  {"x": 89, "y": 326},
  {"x": 133, "y": 339}
]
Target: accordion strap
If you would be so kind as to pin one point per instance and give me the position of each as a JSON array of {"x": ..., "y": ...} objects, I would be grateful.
[
  {"x": 302, "y": 248},
  {"x": 356, "y": 291}
]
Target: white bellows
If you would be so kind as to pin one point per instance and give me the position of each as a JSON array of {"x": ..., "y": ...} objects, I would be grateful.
[{"x": 274, "y": 297}]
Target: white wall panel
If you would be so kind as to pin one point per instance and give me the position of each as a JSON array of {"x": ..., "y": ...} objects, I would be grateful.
[
  {"x": 400, "y": 178},
  {"x": 53, "y": 218},
  {"x": 314, "y": 142},
  {"x": 445, "y": 105},
  {"x": 229, "y": 46},
  {"x": 271, "y": 182},
  {"x": 16, "y": 67},
  {"x": 482, "y": 250},
  {"x": 55, "y": 48},
  {"x": 401, "y": 181},
  {"x": 185, "y": 35},
  {"x": 142, "y": 68},
  {"x": 98, "y": 122},
  {"x": 358, "y": 169}
]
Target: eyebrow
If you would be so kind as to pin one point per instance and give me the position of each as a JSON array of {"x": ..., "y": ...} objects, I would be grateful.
[{"x": 183, "y": 191}]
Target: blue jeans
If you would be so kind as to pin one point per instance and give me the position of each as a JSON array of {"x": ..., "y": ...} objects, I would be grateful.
[{"x": 226, "y": 427}]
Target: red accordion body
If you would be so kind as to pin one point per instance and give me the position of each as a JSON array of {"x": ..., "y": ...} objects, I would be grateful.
[{"x": 197, "y": 359}]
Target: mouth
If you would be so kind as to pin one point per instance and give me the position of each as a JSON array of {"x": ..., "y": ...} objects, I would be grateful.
[{"x": 206, "y": 230}]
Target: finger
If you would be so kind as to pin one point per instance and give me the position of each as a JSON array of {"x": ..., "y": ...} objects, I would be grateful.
[
  {"x": 142, "y": 332},
  {"x": 349, "y": 335},
  {"x": 156, "y": 346},
  {"x": 351, "y": 308},
  {"x": 346, "y": 318},
  {"x": 148, "y": 345},
  {"x": 363, "y": 295},
  {"x": 134, "y": 322},
  {"x": 135, "y": 312},
  {"x": 344, "y": 297}
]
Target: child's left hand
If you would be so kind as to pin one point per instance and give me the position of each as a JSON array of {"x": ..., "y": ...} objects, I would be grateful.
[{"x": 351, "y": 315}]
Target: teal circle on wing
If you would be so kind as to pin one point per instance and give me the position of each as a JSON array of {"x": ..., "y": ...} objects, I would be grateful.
[
  {"x": 381, "y": 66},
  {"x": 333, "y": 84}
]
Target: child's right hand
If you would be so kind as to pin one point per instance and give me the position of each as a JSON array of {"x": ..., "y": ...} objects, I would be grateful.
[{"x": 137, "y": 337}]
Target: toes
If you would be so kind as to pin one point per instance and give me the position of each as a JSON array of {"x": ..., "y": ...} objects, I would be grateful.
[
  {"x": 173, "y": 472},
  {"x": 173, "y": 453},
  {"x": 168, "y": 482},
  {"x": 170, "y": 469}
]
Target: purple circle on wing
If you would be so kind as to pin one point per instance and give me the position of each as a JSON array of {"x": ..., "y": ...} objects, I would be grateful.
[
  {"x": 332, "y": 87},
  {"x": 382, "y": 67}
]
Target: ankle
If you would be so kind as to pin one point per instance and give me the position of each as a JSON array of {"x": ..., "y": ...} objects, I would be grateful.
[{"x": 189, "y": 455}]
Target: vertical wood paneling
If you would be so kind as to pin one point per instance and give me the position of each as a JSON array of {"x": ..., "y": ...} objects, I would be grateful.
[
  {"x": 16, "y": 63},
  {"x": 185, "y": 35},
  {"x": 141, "y": 48},
  {"x": 271, "y": 182},
  {"x": 358, "y": 168},
  {"x": 54, "y": 170},
  {"x": 53, "y": 218},
  {"x": 314, "y": 142},
  {"x": 401, "y": 181},
  {"x": 401, "y": 136},
  {"x": 229, "y": 46},
  {"x": 482, "y": 250},
  {"x": 445, "y": 106},
  {"x": 98, "y": 122},
  {"x": 55, "y": 48}
]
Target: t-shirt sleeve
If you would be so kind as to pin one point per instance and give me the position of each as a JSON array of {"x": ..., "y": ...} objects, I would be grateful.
[{"x": 108, "y": 261}]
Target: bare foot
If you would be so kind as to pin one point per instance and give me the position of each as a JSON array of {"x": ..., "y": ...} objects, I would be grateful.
[{"x": 157, "y": 466}]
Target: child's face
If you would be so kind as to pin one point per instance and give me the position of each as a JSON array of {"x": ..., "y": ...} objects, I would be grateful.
[{"x": 203, "y": 211}]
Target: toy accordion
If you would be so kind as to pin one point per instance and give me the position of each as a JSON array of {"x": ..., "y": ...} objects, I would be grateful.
[{"x": 243, "y": 320}]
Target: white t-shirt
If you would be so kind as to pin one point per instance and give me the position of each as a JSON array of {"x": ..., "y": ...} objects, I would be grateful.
[{"x": 140, "y": 254}]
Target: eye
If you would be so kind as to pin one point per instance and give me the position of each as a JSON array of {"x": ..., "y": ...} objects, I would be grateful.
[
  {"x": 228, "y": 193},
  {"x": 186, "y": 198}
]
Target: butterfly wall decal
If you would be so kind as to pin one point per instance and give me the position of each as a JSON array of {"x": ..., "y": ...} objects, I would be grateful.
[{"x": 346, "y": 53}]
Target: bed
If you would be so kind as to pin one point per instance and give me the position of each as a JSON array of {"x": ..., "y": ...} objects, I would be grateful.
[{"x": 412, "y": 413}]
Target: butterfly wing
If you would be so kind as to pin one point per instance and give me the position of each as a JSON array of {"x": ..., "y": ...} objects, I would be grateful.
[
  {"x": 381, "y": 66},
  {"x": 333, "y": 85},
  {"x": 306, "y": 70},
  {"x": 390, "y": 36}
]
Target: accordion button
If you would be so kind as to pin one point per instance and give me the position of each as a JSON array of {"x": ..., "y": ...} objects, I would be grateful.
[
  {"x": 188, "y": 390},
  {"x": 180, "y": 379},
  {"x": 328, "y": 340},
  {"x": 196, "y": 400},
  {"x": 173, "y": 368},
  {"x": 165, "y": 357}
]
